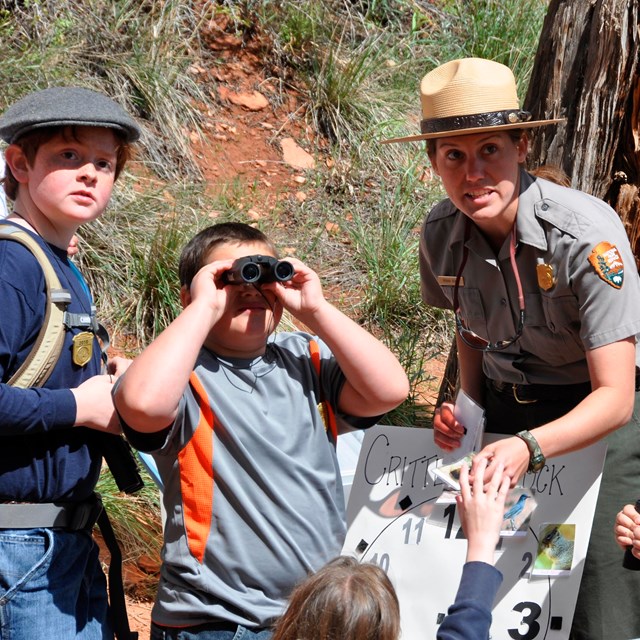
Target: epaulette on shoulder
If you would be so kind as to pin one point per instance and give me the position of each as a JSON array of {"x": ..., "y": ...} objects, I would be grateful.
[{"x": 38, "y": 365}]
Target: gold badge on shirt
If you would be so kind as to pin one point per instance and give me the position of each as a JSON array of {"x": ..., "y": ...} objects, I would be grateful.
[
  {"x": 82, "y": 348},
  {"x": 607, "y": 261},
  {"x": 546, "y": 278}
]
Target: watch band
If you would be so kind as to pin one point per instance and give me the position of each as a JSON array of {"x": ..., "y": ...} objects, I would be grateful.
[{"x": 536, "y": 457}]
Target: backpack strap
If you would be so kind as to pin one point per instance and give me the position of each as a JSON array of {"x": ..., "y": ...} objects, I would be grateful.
[
  {"x": 37, "y": 367},
  {"x": 35, "y": 371},
  {"x": 120, "y": 620},
  {"x": 326, "y": 410}
]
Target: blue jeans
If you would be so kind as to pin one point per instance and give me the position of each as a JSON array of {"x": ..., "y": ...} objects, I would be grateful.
[
  {"x": 52, "y": 586},
  {"x": 201, "y": 632}
]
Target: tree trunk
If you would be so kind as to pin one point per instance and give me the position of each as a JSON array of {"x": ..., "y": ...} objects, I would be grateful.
[{"x": 586, "y": 69}]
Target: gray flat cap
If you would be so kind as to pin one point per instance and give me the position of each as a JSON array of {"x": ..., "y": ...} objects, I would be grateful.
[{"x": 65, "y": 106}]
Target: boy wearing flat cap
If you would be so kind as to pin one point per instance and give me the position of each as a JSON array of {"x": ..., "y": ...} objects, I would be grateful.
[
  {"x": 546, "y": 296},
  {"x": 66, "y": 147}
]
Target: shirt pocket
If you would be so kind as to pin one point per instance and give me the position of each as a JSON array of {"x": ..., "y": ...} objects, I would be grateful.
[
  {"x": 553, "y": 328},
  {"x": 472, "y": 312}
]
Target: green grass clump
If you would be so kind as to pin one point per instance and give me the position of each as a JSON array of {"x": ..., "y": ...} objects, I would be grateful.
[
  {"x": 385, "y": 232},
  {"x": 140, "y": 53},
  {"x": 504, "y": 31}
]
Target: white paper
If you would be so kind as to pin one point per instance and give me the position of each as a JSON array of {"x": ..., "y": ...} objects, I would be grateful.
[{"x": 469, "y": 413}]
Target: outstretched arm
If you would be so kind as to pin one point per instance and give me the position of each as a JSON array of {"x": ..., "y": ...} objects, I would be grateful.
[
  {"x": 482, "y": 510},
  {"x": 481, "y": 514},
  {"x": 608, "y": 407},
  {"x": 375, "y": 380}
]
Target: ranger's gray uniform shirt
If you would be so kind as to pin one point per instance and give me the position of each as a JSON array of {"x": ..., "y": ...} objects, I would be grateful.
[{"x": 557, "y": 228}]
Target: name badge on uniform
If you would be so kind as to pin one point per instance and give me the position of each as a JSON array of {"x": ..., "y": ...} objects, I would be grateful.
[
  {"x": 449, "y": 281},
  {"x": 546, "y": 279},
  {"x": 82, "y": 348}
]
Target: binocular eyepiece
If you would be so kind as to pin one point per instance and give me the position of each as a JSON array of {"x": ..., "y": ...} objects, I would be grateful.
[{"x": 258, "y": 270}]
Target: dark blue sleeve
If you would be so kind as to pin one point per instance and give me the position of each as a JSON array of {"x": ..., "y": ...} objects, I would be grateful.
[
  {"x": 43, "y": 457},
  {"x": 35, "y": 410},
  {"x": 469, "y": 617}
]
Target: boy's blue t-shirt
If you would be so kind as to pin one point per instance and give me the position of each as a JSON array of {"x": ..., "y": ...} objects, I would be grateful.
[{"x": 43, "y": 458}]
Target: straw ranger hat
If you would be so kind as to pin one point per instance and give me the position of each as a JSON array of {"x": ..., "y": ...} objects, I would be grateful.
[{"x": 470, "y": 95}]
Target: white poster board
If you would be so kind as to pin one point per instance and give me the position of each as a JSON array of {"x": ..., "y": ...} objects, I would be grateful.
[{"x": 395, "y": 520}]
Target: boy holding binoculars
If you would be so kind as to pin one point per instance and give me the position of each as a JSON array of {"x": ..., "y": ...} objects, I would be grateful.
[{"x": 233, "y": 414}]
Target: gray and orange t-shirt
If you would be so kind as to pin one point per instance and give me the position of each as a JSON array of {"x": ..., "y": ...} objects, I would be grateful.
[{"x": 252, "y": 486}]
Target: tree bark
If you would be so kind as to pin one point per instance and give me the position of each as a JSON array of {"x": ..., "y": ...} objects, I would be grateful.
[{"x": 587, "y": 70}]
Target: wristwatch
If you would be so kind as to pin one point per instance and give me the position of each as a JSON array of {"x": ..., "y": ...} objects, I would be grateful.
[{"x": 536, "y": 457}]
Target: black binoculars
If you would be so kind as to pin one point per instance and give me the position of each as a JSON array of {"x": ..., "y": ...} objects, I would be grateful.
[
  {"x": 120, "y": 459},
  {"x": 258, "y": 270}
]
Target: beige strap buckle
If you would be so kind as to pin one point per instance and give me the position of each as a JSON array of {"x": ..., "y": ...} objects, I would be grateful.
[{"x": 514, "y": 388}]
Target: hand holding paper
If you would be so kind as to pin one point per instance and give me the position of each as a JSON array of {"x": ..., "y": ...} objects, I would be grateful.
[
  {"x": 465, "y": 412},
  {"x": 471, "y": 415}
]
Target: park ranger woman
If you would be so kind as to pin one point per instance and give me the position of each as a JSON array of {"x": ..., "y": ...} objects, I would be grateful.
[{"x": 546, "y": 296}]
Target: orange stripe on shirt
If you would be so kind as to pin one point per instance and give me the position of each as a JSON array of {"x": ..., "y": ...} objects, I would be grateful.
[
  {"x": 196, "y": 475},
  {"x": 326, "y": 410}
]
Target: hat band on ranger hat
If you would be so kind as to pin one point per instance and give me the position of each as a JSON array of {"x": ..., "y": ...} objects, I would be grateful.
[
  {"x": 469, "y": 96},
  {"x": 474, "y": 121}
]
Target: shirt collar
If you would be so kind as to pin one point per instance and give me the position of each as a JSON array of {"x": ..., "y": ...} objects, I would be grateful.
[
  {"x": 529, "y": 229},
  {"x": 530, "y": 201}
]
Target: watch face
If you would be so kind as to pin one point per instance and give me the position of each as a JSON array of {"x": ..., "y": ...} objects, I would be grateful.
[
  {"x": 537, "y": 462},
  {"x": 537, "y": 458}
]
